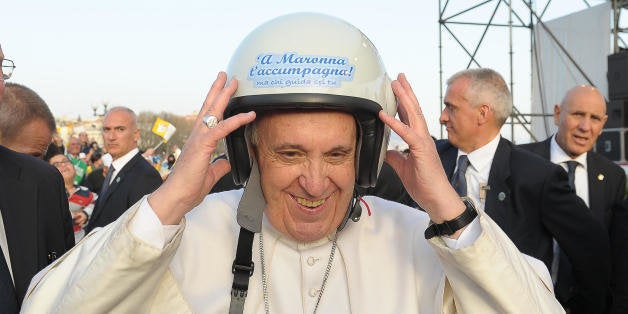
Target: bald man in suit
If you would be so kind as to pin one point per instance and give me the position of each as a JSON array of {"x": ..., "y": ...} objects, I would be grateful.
[
  {"x": 600, "y": 183},
  {"x": 131, "y": 175}
]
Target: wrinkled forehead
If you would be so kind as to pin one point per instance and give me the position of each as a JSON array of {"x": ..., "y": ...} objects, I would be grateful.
[
  {"x": 337, "y": 127},
  {"x": 585, "y": 99},
  {"x": 285, "y": 118}
]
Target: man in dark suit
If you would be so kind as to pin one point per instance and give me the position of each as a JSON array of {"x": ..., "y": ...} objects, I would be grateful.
[
  {"x": 36, "y": 226},
  {"x": 130, "y": 176},
  {"x": 389, "y": 187},
  {"x": 527, "y": 196},
  {"x": 598, "y": 181}
]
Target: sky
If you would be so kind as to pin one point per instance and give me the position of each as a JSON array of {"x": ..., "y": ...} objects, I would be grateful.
[{"x": 162, "y": 56}]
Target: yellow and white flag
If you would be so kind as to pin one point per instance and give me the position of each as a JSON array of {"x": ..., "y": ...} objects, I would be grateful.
[{"x": 164, "y": 129}]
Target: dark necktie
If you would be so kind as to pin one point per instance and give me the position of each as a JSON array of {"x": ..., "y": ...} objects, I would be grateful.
[
  {"x": 571, "y": 173},
  {"x": 458, "y": 181},
  {"x": 105, "y": 185},
  {"x": 559, "y": 259},
  {"x": 8, "y": 299}
]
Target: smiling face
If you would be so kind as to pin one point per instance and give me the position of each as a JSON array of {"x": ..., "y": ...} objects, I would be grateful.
[
  {"x": 580, "y": 119},
  {"x": 307, "y": 169},
  {"x": 63, "y": 164}
]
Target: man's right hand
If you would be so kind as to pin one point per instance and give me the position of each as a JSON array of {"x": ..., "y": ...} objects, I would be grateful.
[{"x": 194, "y": 175}]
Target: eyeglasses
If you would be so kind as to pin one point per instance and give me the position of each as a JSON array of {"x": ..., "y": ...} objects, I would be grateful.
[
  {"x": 60, "y": 163},
  {"x": 7, "y": 68}
]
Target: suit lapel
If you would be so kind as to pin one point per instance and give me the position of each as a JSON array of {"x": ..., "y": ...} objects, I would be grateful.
[
  {"x": 545, "y": 152},
  {"x": 448, "y": 155},
  {"x": 597, "y": 185},
  {"x": 498, "y": 180},
  {"x": 119, "y": 178},
  {"x": 20, "y": 218},
  {"x": 117, "y": 181}
]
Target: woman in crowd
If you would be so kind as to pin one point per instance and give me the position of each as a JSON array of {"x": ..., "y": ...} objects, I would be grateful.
[{"x": 81, "y": 199}]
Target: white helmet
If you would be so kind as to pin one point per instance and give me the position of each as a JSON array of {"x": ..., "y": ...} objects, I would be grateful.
[{"x": 312, "y": 61}]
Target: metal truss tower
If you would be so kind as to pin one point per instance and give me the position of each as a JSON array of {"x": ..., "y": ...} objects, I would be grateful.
[{"x": 499, "y": 34}]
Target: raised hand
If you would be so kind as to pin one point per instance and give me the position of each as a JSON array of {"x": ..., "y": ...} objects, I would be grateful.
[
  {"x": 420, "y": 171},
  {"x": 194, "y": 175}
]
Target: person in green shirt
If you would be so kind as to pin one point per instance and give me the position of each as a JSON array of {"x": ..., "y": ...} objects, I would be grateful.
[{"x": 74, "y": 150}]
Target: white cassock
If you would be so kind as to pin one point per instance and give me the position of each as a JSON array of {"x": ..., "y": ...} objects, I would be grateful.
[{"x": 382, "y": 264}]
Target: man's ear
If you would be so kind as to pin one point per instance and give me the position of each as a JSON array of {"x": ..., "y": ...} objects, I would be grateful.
[
  {"x": 557, "y": 115},
  {"x": 484, "y": 113},
  {"x": 603, "y": 123}
]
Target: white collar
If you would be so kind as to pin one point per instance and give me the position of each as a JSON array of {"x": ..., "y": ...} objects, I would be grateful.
[
  {"x": 120, "y": 162},
  {"x": 482, "y": 158},
  {"x": 558, "y": 155}
]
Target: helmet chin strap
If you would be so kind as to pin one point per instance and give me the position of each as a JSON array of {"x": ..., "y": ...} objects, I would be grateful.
[
  {"x": 251, "y": 206},
  {"x": 249, "y": 217},
  {"x": 354, "y": 211}
]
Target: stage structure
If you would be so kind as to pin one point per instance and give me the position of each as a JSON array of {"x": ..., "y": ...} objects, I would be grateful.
[{"x": 572, "y": 41}]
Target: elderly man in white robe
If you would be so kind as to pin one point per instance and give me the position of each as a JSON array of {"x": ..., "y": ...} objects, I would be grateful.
[{"x": 306, "y": 112}]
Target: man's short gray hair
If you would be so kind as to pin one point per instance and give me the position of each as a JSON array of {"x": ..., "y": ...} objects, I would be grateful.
[
  {"x": 19, "y": 106},
  {"x": 126, "y": 109},
  {"x": 486, "y": 86}
]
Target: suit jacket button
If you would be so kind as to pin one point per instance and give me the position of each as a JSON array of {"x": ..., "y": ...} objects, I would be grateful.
[{"x": 52, "y": 256}]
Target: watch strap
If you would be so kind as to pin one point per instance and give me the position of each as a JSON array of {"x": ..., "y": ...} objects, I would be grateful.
[{"x": 450, "y": 227}]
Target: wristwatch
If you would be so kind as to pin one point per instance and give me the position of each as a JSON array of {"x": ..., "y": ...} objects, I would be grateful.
[{"x": 450, "y": 227}]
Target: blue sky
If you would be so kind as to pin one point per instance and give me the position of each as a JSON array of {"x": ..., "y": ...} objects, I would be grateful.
[{"x": 163, "y": 55}]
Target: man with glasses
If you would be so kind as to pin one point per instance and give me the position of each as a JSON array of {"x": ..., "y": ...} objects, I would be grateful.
[
  {"x": 7, "y": 68},
  {"x": 35, "y": 223}
]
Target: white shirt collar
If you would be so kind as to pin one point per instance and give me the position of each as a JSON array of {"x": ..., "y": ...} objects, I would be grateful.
[
  {"x": 120, "y": 162},
  {"x": 558, "y": 155},
  {"x": 482, "y": 158}
]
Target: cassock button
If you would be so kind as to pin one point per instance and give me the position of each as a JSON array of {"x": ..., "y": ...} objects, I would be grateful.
[
  {"x": 314, "y": 292},
  {"x": 501, "y": 196},
  {"x": 312, "y": 260}
]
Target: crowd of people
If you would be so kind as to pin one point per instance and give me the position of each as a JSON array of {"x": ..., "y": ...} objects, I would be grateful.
[{"x": 321, "y": 218}]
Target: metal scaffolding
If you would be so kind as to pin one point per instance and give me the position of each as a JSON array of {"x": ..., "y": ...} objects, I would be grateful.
[{"x": 518, "y": 17}]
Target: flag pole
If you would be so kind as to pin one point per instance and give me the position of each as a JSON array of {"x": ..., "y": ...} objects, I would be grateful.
[{"x": 155, "y": 148}]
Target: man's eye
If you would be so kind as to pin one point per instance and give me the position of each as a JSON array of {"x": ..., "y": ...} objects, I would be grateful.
[
  {"x": 289, "y": 154},
  {"x": 338, "y": 157}
]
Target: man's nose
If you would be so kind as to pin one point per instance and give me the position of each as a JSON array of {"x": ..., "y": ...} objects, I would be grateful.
[
  {"x": 314, "y": 178},
  {"x": 444, "y": 117},
  {"x": 585, "y": 124}
]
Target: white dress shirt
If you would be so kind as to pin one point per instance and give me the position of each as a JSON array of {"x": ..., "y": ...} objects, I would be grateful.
[
  {"x": 559, "y": 157},
  {"x": 4, "y": 244},
  {"x": 480, "y": 161},
  {"x": 120, "y": 162}
]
